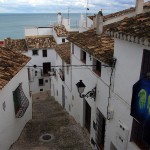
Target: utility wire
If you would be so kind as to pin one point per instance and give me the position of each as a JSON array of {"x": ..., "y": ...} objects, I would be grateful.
[{"x": 35, "y": 66}]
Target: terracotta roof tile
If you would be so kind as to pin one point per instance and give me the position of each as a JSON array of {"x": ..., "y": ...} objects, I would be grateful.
[
  {"x": 61, "y": 31},
  {"x": 63, "y": 51},
  {"x": 122, "y": 12},
  {"x": 100, "y": 46},
  {"x": 18, "y": 45},
  {"x": 135, "y": 29},
  {"x": 37, "y": 42},
  {"x": 10, "y": 64}
]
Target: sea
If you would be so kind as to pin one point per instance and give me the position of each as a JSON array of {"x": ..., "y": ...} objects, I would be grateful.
[{"x": 13, "y": 25}]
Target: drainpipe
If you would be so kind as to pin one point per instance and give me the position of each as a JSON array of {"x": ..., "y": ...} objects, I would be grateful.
[{"x": 139, "y": 6}]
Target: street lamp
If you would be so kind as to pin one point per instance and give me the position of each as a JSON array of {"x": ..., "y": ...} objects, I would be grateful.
[{"x": 81, "y": 86}]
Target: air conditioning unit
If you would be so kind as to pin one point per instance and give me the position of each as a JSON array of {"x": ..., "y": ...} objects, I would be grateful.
[{"x": 122, "y": 136}]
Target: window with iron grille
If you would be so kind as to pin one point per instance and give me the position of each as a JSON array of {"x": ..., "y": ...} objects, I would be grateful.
[
  {"x": 100, "y": 131},
  {"x": 63, "y": 40},
  {"x": 21, "y": 102}
]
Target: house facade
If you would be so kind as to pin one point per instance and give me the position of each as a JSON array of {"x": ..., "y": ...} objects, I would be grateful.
[{"x": 15, "y": 99}]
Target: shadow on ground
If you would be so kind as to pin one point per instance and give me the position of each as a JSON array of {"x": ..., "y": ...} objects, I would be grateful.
[{"x": 49, "y": 117}]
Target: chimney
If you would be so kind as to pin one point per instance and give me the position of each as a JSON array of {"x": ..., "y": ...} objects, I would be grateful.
[
  {"x": 94, "y": 21},
  {"x": 139, "y": 6},
  {"x": 99, "y": 23},
  {"x": 59, "y": 18}
]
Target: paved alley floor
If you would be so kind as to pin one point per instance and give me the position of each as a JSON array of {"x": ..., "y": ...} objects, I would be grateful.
[{"x": 49, "y": 117}]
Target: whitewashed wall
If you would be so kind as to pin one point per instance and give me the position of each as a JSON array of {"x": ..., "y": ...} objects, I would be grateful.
[
  {"x": 57, "y": 84},
  {"x": 11, "y": 127},
  {"x": 38, "y": 60},
  {"x": 91, "y": 80},
  {"x": 127, "y": 73},
  {"x": 35, "y": 31}
]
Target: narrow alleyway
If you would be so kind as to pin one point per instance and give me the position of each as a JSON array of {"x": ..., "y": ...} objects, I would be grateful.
[{"x": 49, "y": 117}]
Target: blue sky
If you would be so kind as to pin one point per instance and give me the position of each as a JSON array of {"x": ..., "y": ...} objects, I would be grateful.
[{"x": 53, "y": 6}]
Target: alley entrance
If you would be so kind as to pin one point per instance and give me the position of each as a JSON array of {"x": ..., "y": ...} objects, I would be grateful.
[{"x": 50, "y": 119}]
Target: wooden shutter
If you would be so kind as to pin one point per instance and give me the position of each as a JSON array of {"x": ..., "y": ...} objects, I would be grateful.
[{"x": 145, "y": 67}]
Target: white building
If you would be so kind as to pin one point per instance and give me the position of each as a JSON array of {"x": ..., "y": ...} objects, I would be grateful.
[
  {"x": 15, "y": 100},
  {"x": 132, "y": 51},
  {"x": 41, "y": 51},
  {"x": 108, "y": 118},
  {"x": 61, "y": 81}
]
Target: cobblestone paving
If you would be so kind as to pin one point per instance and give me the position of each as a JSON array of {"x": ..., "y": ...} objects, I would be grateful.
[{"x": 49, "y": 117}]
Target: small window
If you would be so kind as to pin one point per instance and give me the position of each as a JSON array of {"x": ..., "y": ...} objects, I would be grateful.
[
  {"x": 97, "y": 67},
  {"x": 35, "y": 72},
  {"x": 136, "y": 135},
  {"x": 83, "y": 56},
  {"x": 41, "y": 83},
  {"x": 63, "y": 40},
  {"x": 44, "y": 53},
  {"x": 46, "y": 81},
  {"x": 72, "y": 48},
  {"x": 35, "y": 52},
  {"x": 41, "y": 89}
]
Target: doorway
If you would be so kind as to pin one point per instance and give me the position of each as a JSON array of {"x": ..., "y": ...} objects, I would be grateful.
[
  {"x": 87, "y": 116},
  {"x": 46, "y": 67}
]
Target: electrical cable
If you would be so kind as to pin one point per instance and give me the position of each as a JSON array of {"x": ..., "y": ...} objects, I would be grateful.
[{"x": 112, "y": 69}]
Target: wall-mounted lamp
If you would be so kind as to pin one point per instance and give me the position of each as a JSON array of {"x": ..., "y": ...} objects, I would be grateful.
[{"x": 81, "y": 86}]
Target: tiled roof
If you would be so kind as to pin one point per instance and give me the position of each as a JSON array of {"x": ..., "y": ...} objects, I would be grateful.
[
  {"x": 10, "y": 64},
  {"x": 18, "y": 45},
  {"x": 122, "y": 12},
  {"x": 135, "y": 29},
  {"x": 100, "y": 46},
  {"x": 63, "y": 51},
  {"x": 37, "y": 42},
  {"x": 61, "y": 31}
]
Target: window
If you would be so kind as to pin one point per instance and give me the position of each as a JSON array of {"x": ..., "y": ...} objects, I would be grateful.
[
  {"x": 72, "y": 48},
  {"x": 83, "y": 56},
  {"x": 136, "y": 135},
  {"x": 145, "y": 67},
  {"x": 63, "y": 40},
  {"x": 35, "y": 52},
  {"x": 41, "y": 89},
  {"x": 44, "y": 53},
  {"x": 41, "y": 83},
  {"x": 97, "y": 67},
  {"x": 21, "y": 102}
]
